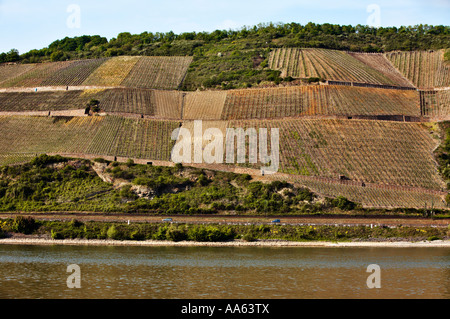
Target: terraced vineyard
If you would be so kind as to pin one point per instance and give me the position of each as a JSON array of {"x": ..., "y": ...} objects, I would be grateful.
[
  {"x": 435, "y": 103},
  {"x": 324, "y": 143},
  {"x": 158, "y": 72},
  {"x": 153, "y": 103},
  {"x": 426, "y": 69},
  {"x": 42, "y": 101},
  {"x": 9, "y": 71},
  {"x": 318, "y": 100},
  {"x": 128, "y": 101},
  {"x": 327, "y": 100},
  {"x": 165, "y": 73},
  {"x": 75, "y": 74},
  {"x": 134, "y": 138},
  {"x": 382, "y": 152},
  {"x": 24, "y": 137},
  {"x": 35, "y": 76},
  {"x": 190, "y": 126},
  {"x": 383, "y": 197},
  {"x": 159, "y": 104},
  {"x": 328, "y": 65},
  {"x": 168, "y": 104},
  {"x": 207, "y": 105},
  {"x": 113, "y": 72},
  {"x": 28, "y": 136},
  {"x": 380, "y": 63}
]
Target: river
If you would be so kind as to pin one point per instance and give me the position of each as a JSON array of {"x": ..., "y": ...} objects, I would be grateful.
[{"x": 112, "y": 272}]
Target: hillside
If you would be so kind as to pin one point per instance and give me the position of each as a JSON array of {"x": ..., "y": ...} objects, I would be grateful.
[
  {"x": 135, "y": 72},
  {"x": 359, "y": 38},
  {"x": 358, "y": 125},
  {"x": 293, "y": 101},
  {"x": 335, "y": 65},
  {"x": 425, "y": 69}
]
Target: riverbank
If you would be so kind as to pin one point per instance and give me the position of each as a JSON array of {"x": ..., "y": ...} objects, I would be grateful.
[{"x": 233, "y": 243}]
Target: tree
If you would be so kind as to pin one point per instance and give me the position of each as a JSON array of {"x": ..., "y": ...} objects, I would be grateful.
[
  {"x": 11, "y": 56},
  {"x": 57, "y": 56},
  {"x": 94, "y": 105}
]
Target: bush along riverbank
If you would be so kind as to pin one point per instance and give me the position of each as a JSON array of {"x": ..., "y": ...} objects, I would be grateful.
[{"x": 58, "y": 230}]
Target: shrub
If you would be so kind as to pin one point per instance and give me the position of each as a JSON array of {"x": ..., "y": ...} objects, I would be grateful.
[
  {"x": 288, "y": 79},
  {"x": 113, "y": 233},
  {"x": 343, "y": 203},
  {"x": 447, "y": 55},
  {"x": 45, "y": 159},
  {"x": 137, "y": 235},
  {"x": 2, "y": 234},
  {"x": 304, "y": 194},
  {"x": 249, "y": 236},
  {"x": 130, "y": 163},
  {"x": 209, "y": 233},
  {"x": 314, "y": 80},
  {"x": 56, "y": 235},
  {"x": 243, "y": 179},
  {"x": 176, "y": 234},
  {"x": 75, "y": 223},
  {"x": 100, "y": 160},
  {"x": 197, "y": 233},
  {"x": 25, "y": 225},
  {"x": 431, "y": 238},
  {"x": 202, "y": 180},
  {"x": 127, "y": 193},
  {"x": 161, "y": 233}
]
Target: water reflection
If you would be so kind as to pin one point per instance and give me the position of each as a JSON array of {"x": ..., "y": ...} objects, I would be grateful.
[{"x": 205, "y": 272}]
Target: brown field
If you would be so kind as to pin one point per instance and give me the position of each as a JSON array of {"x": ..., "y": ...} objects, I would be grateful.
[
  {"x": 319, "y": 100},
  {"x": 380, "y": 63},
  {"x": 435, "y": 103},
  {"x": 74, "y": 74},
  {"x": 426, "y": 69},
  {"x": 112, "y": 72},
  {"x": 381, "y": 152},
  {"x": 34, "y": 77},
  {"x": 206, "y": 105},
  {"x": 158, "y": 72},
  {"x": 13, "y": 70},
  {"x": 328, "y": 65},
  {"x": 168, "y": 104},
  {"x": 128, "y": 101}
]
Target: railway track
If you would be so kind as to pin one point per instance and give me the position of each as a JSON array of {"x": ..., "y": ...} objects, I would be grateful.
[{"x": 339, "y": 220}]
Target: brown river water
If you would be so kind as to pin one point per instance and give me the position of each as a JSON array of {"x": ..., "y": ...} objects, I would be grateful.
[{"x": 40, "y": 272}]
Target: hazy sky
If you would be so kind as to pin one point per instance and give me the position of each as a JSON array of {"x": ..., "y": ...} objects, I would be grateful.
[{"x": 26, "y": 24}]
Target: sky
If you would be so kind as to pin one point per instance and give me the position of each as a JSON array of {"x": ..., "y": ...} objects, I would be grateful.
[{"x": 31, "y": 24}]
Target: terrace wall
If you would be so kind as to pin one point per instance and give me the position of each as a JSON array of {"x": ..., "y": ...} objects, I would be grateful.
[{"x": 369, "y": 85}]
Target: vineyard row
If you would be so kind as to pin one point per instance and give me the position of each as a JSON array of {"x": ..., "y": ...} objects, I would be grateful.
[
  {"x": 397, "y": 156},
  {"x": 336, "y": 65},
  {"x": 137, "y": 72},
  {"x": 322, "y": 100}
]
